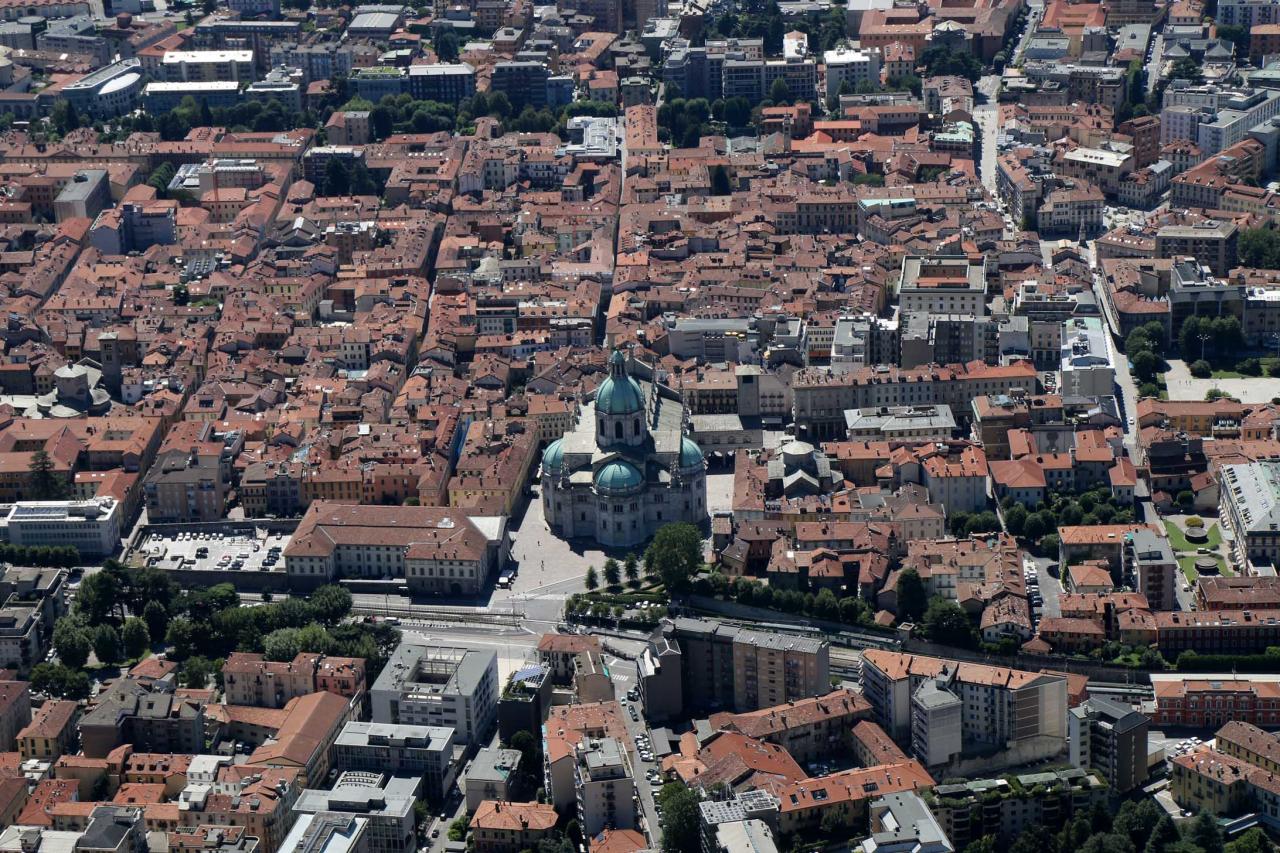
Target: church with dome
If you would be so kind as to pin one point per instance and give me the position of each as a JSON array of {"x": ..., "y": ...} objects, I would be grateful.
[{"x": 627, "y": 468}]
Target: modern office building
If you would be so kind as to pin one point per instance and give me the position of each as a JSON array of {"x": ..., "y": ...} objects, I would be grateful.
[
  {"x": 92, "y": 526},
  {"x": 1250, "y": 502},
  {"x": 446, "y": 82},
  {"x": 385, "y": 801},
  {"x": 402, "y": 750},
  {"x": 439, "y": 686},
  {"x": 943, "y": 285}
]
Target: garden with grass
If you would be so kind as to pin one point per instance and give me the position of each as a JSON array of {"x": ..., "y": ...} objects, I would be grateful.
[{"x": 1187, "y": 549}]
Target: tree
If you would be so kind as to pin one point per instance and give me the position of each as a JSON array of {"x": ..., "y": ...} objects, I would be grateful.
[
  {"x": 1014, "y": 519},
  {"x": 779, "y": 92},
  {"x": 1037, "y": 839},
  {"x": 1164, "y": 834},
  {"x": 676, "y": 553},
  {"x": 912, "y": 598},
  {"x": 337, "y": 176},
  {"x": 985, "y": 844},
  {"x": 1259, "y": 247},
  {"x": 1137, "y": 820},
  {"x": 1107, "y": 842},
  {"x": 196, "y": 672},
  {"x": 679, "y": 819},
  {"x": 1201, "y": 369},
  {"x": 106, "y": 644},
  {"x": 592, "y": 580},
  {"x": 46, "y": 484},
  {"x": 631, "y": 568},
  {"x": 281, "y": 644},
  {"x": 826, "y": 605},
  {"x": 612, "y": 572},
  {"x": 60, "y": 681},
  {"x": 157, "y": 618},
  {"x": 530, "y": 748},
  {"x": 136, "y": 636},
  {"x": 71, "y": 642},
  {"x": 331, "y": 604},
  {"x": 1145, "y": 364},
  {"x": 982, "y": 522},
  {"x": 942, "y": 60},
  {"x": 99, "y": 597},
  {"x": 446, "y": 45},
  {"x": 1252, "y": 841},
  {"x": 1205, "y": 833},
  {"x": 832, "y": 825},
  {"x": 181, "y": 636},
  {"x": 1187, "y": 68},
  {"x": 854, "y": 611},
  {"x": 946, "y": 623}
]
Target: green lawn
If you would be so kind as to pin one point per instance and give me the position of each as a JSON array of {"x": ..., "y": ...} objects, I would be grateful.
[
  {"x": 1188, "y": 565},
  {"x": 1180, "y": 543}
]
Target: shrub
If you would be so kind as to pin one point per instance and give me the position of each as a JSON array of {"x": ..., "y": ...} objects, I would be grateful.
[
  {"x": 1201, "y": 369},
  {"x": 1249, "y": 367},
  {"x": 1195, "y": 521}
]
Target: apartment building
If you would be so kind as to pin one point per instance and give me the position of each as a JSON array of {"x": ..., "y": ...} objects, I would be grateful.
[
  {"x": 806, "y": 728},
  {"x": 15, "y": 711},
  {"x": 207, "y": 65},
  {"x": 251, "y": 679},
  {"x": 153, "y": 720},
  {"x": 184, "y": 487},
  {"x": 606, "y": 786},
  {"x": 492, "y": 776},
  {"x": 1014, "y": 711},
  {"x": 723, "y": 666},
  {"x": 1149, "y": 563},
  {"x": 1111, "y": 738},
  {"x": 437, "y": 686},
  {"x": 1005, "y": 808},
  {"x": 503, "y": 827},
  {"x": 51, "y": 731}
]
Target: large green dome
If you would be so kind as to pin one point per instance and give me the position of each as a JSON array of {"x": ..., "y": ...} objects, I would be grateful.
[
  {"x": 619, "y": 476},
  {"x": 690, "y": 453},
  {"x": 553, "y": 456},
  {"x": 619, "y": 395}
]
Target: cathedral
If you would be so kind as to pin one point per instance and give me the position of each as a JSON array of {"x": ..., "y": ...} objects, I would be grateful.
[{"x": 626, "y": 468}]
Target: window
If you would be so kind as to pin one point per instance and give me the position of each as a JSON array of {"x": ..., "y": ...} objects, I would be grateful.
[
  {"x": 637, "y": 427},
  {"x": 617, "y": 430}
]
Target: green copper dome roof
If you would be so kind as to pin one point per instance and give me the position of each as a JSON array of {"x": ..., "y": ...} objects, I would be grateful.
[
  {"x": 553, "y": 456},
  {"x": 619, "y": 395},
  {"x": 619, "y": 476},
  {"x": 690, "y": 453}
]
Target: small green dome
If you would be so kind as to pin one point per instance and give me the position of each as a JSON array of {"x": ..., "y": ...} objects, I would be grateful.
[
  {"x": 553, "y": 456},
  {"x": 619, "y": 395},
  {"x": 690, "y": 453},
  {"x": 619, "y": 476}
]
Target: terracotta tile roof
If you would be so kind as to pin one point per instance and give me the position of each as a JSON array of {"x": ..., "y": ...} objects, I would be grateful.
[{"x": 513, "y": 817}]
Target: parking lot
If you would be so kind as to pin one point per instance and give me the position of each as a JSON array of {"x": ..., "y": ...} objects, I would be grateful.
[{"x": 235, "y": 550}]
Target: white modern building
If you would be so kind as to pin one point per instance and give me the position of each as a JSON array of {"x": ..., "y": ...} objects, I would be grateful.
[
  {"x": 853, "y": 66},
  {"x": 1088, "y": 362},
  {"x": 92, "y": 526},
  {"x": 446, "y": 686}
]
